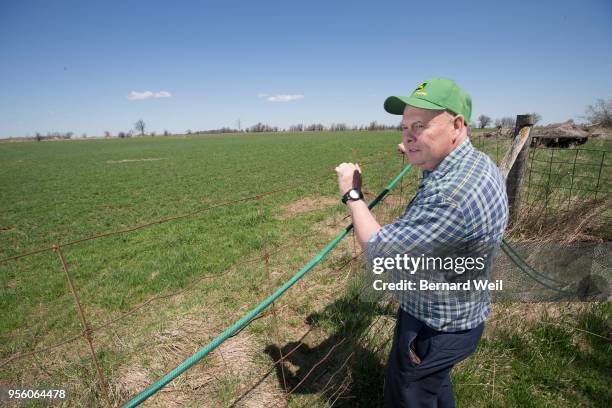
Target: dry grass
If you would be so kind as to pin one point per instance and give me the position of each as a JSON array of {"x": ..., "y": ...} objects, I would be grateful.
[
  {"x": 589, "y": 220},
  {"x": 305, "y": 205},
  {"x": 175, "y": 329},
  {"x": 134, "y": 160}
]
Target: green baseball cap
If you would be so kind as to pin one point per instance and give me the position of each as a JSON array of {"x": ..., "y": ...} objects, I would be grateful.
[{"x": 437, "y": 94}]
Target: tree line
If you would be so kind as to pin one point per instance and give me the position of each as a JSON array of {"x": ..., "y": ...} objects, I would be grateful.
[
  {"x": 598, "y": 114},
  {"x": 484, "y": 121}
]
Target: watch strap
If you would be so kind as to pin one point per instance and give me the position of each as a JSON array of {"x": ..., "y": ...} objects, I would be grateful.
[{"x": 346, "y": 197}]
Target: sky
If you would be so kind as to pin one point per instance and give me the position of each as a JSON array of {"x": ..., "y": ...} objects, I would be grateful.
[{"x": 95, "y": 66}]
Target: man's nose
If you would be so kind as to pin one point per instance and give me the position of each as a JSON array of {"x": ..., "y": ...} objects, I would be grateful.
[{"x": 409, "y": 136}]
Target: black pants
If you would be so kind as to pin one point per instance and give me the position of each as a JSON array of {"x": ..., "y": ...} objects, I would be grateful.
[{"x": 427, "y": 384}]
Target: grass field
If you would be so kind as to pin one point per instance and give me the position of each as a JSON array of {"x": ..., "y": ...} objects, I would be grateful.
[{"x": 58, "y": 192}]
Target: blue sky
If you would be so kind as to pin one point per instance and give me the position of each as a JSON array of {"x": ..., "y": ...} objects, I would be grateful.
[{"x": 72, "y": 65}]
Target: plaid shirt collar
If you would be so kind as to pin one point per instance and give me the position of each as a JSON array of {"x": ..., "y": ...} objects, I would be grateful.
[{"x": 450, "y": 161}]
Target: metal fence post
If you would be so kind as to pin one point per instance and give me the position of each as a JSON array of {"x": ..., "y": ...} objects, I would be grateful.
[
  {"x": 601, "y": 165},
  {"x": 569, "y": 200},
  {"x": 86, "y": 329},
  {"x": 547, "y": 190}
]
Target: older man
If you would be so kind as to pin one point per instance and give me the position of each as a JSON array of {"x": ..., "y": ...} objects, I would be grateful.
[{"x": 458, "y": 213}]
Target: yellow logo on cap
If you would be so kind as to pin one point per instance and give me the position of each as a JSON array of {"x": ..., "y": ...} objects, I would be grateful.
[{"x": 419, "y": 89}]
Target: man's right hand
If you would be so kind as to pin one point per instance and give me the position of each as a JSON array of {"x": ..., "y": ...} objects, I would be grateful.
[
  {"x": 401, "y": 149},
  {"x": 346, "y": 177}
]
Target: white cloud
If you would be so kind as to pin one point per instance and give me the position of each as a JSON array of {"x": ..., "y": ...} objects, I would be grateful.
[
  {"x": 284, "y": 98},
  {"x": 135, "y": 95}
]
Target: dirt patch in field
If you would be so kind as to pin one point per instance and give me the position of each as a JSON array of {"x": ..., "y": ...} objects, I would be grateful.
[
  {"x": 217, "y": 380},
  {"x": 136, "y": 378},
  {"x": 236, "y": 359},
  {"x": 305, "y": 205},
  {"x": 134, "y": 160}
]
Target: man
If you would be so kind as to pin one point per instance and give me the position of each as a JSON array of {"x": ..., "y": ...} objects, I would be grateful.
[{"x": 459, "y": 212}]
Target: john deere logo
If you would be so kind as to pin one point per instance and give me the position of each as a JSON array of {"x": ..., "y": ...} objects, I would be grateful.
[{"x": 419, "y": 90}]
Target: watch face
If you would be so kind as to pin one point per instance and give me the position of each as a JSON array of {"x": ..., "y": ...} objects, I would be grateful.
[{"x": 354, "y": 194}]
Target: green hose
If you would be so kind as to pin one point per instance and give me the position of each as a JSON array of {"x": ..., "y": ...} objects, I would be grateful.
[
  {"x": 185, "y": 365},
  {"x": 525, "y": 268}
]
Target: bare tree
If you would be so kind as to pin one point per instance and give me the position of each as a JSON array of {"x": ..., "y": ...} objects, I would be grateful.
[
  {"x": 483, "y": 121},
  {"x": 536, "y": 117},
  {"x": 315, "y": 127},
  {"x": 107, "y": 133},
  {"x": 505, "y": 122},
  {"x": 262, "y": 127},
  {"x": 140, "y": 126},
  {"x": 166, "y": 133},
  {"x": 600, "y": 113}
]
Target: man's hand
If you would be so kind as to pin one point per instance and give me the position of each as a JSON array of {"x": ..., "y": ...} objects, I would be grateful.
[
  {"x": 349, "y": 176},
  {"x": 401, "y": 149}
]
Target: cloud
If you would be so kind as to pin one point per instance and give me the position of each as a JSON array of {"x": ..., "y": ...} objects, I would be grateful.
[
  {"x": 281, "y": 98},
  {"x": 135, "y": 95}
]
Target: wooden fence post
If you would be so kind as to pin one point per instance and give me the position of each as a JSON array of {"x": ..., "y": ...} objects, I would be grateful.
[{"x": 515, "y": 173}]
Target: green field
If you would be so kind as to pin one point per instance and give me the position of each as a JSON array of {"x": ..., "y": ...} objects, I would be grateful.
[{"x": 59, "y": 192}]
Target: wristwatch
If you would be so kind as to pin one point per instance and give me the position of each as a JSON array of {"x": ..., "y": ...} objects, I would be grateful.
[{"x": 353, "y": 194}]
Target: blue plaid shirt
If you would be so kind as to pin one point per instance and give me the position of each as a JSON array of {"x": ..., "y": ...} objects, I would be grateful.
[{"x": 459, "y": 210}]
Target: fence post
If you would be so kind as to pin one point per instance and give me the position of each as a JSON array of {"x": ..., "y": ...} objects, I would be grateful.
[
  {"x": 86, "y": 329},
  {"x": 516, "y": 172},
  {"x": 601, "y": 165},
  {"x": 569, "y": 200}
]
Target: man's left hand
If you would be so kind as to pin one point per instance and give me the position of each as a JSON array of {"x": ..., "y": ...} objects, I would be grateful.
[{"x": 346, "y": 177}]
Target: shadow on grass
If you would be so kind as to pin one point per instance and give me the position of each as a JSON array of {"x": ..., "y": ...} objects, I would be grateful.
[{"x": 345, "y": 369}]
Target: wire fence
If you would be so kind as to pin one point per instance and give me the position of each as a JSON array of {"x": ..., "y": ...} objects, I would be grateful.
[
  {"x": 96, "y": 335},
  {"x": 322, "y": 344},
  {"x": 559, "y": 179},
  {"x": 495, "y": 143}
]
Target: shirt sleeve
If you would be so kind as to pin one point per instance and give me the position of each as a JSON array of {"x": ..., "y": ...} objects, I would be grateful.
[{"x": 432, "y": 225}]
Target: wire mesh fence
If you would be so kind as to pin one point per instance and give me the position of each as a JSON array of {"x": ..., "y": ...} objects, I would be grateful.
[
  {"x": 111, "y": 330},
  {"x": 558, "y": 179},
  {"x": 495, "y": 143},
  {"x": 320, "y": 345}
]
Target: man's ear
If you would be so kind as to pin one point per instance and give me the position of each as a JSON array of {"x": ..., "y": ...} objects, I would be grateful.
[{"x": 458, "y": 125}]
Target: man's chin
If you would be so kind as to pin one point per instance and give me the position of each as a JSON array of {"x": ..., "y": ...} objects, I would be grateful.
[{"x": 415, "y": 160}]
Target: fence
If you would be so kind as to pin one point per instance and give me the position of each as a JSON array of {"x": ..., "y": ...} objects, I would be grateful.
[
  {"x": 495, "y": 143},
  {"x": 322, "y": 366},
  {"x": 93, "y": 334},
  {"x": 559, "y": 179}
]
